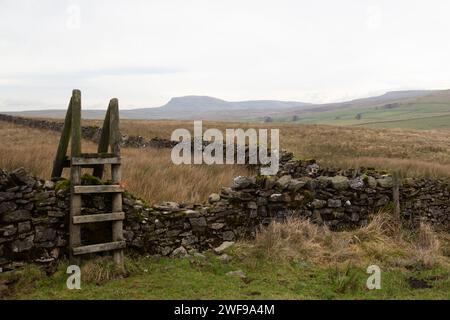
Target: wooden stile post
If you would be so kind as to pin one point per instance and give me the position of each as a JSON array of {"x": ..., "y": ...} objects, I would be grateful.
[
  {"x": 114, "y": 127},
  {"x": 103, "y": 144},
  {"x": 117, "y": 226},
  {"x": 58, "y": 163},
  {"x": 75, "y": 174}
]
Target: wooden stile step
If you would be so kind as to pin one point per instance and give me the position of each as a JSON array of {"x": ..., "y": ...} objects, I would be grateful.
[
  {"x": 98, "y": 189},
  {"x": 99, "y": 217},
  {"x": 92, "y": 159},
  {"x": 108, "y": 246},
  {"x": 79, "y": 161}
]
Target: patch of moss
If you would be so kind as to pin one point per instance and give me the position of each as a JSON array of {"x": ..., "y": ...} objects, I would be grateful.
[
  {"x": 89, "y": 179},
  {"x": 63, "y": 184},
  {"x": 127, "y": 195},
  {"x": 260, "y": 177}
]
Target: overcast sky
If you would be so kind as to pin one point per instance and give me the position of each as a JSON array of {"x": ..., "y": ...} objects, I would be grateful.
[{"x": 145, "y": 52}]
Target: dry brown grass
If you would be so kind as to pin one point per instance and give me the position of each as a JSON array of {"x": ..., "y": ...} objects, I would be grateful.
[
  {"x": 148, "y": 173},
  {"x": 382, "y": 241},
  {"x": 417, "y": 153}
]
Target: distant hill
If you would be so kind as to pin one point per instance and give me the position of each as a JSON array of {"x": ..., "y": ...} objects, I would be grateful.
[
  {"x": 188, "y": 107},
  {"x": 423, "y": 109}
]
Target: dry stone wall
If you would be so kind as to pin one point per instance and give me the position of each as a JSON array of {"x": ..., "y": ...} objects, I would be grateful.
[
  {"x": 34, "y": 213},
  {"x": 89, "y": 132}
]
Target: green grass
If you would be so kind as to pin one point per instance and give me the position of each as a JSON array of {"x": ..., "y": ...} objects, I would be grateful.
[
  {"x": 406, "y": 115},
  {"x": 199, "y": 278}
]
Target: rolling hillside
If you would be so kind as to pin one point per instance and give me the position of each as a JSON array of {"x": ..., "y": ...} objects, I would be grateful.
[
  {"x": 419, "y": 109},
  {"x": 422, "y": 111}
]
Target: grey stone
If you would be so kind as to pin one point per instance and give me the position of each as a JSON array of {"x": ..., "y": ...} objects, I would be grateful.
[
  {"x": 318, "y": 203},
  {"x": 41, "y": 196},
  {"x": 217, "y": 226},
  {"x": 243, "y": 196},
  {"x": 241, "y": 182},
  {"x": 189, "y": 240},
  {"x": 224, "y": 258},
  {"x": 20, "y": 176},
  {"x": 45, "y": 234},
  {"x": 49, "y": 185},
  {"x": 252, "y": 205},
  {"x": 357, "y": 184},
  {"x": 382, "y": 201},
  {"x": 139, "y": 243},
  {"x": 338, "y": 214},
  {"x": 7, "y": 207},
  {"x": 166, "y": 251},
  {"x": 276, "y": 197},
  {"x": 22, "y": 245},
  {"x": 173, "y": 233},
  {"x": 191, "y": 214},
  {"x": 4, "y": 196},
  {"x": 179, "y": 252},
  {"x": 213, "y": 197},
  {"x": 224, "y": 246},
  {"x": 334, "y": 203},
  {"x": 128, "y": 235},
  {"x": 228, "y": 236},
  {"x": 385, "y": 182},
  {"x": 198, "y": 224},
  {"x": 355, "y": 216},
  {"x": 339, "y": 182},
  {"x": 296, "y": 185},
  {"x": 167, "y": 206},
  {"x": 24, "y": 226},
  {"x": 323, "y": 181},
  {"x": 371, "y": 182},
  {"x": 284, "y": 181},
  {"x": 9, "y": 230},
  {"x": 18, "y": 215}
]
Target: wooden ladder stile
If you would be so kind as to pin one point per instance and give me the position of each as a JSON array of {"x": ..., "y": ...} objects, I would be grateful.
[{"x": 110, "y": 138}]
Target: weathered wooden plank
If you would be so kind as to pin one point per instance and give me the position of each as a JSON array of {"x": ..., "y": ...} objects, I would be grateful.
[
  {"x": 116, "y": 245},
  {"x": 101, "y": 217},
  {"x": 103, "y": 144},
  {"x": 60, "y": 157},
  {"x": 98, "y": 155},
  {"x": 76, "y": 124},
  {"x": 97, "y": 189},
  {"x": 115, "y": 135},
  {"x": 75, "y": 210},
  {"x": 117, "y": 226},
  {"x": 94, "y": 161}
]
